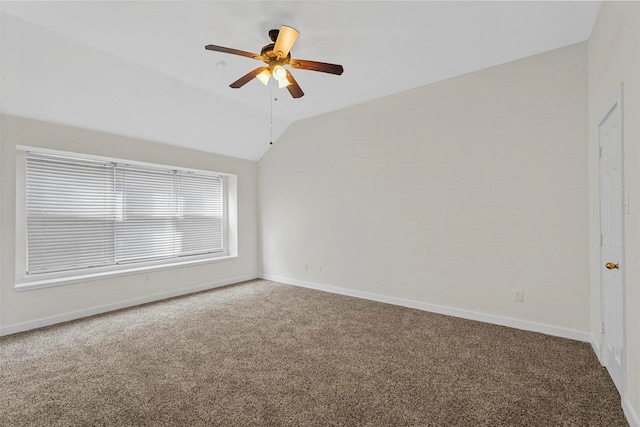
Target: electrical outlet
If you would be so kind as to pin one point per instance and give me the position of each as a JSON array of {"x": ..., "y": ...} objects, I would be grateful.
[
  {"x": 146, "y": 278},
  {"x": 306, "y": 267},
  {"x": 518, "y": 295},
  {"x": 319, "y": 269}
]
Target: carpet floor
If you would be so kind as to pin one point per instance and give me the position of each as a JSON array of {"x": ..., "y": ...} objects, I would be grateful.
[{"x": 261, "y": 353}]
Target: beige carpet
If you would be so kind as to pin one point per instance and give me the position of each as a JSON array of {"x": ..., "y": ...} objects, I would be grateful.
[{"x": 266, "y": 354}]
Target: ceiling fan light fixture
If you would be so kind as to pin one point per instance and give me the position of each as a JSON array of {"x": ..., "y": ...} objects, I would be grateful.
[{"x": 264, "y": 76}]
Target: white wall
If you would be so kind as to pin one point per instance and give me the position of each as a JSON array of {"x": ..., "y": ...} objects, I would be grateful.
[
  {"x": 37, "y": 307},
  {"x": 614, "y": 58},
  {"x": 453, "y": 195}
]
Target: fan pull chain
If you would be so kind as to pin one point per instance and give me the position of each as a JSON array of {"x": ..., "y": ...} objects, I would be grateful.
[{"x": 271, "y": 99}]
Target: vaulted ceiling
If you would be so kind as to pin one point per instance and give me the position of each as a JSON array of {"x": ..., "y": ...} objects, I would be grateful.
[{"x": 140, "y": 68}]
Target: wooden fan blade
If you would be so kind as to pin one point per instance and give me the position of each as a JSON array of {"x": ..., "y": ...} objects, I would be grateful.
[
  {"x": 233, "y": 51},
  {"x": 286, "y": 38},
  {"x": 294, "y": 88},
  {"x": 316, "y": 66},
  {"x": 247, "y": 77}
]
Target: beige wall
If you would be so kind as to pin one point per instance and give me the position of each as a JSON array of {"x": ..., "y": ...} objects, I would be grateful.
[
  {"x": 453, "y": 194},
  {"x": 27, "y": 308},
  {"x": 614, "y": 58}
]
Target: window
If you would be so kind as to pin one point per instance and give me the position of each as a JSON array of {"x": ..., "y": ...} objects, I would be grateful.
[{"x": 87, "y": 215}]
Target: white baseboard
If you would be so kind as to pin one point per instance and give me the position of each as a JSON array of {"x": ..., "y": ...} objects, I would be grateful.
[
  {"x": 595, "y": 345},
  {"x": 450, "y": 311},
  {"x": 65, "y": 317},
  {"x": 632, "y": 416}
]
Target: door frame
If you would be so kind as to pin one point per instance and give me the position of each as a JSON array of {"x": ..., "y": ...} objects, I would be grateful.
[{"x": 616, "y": 102}]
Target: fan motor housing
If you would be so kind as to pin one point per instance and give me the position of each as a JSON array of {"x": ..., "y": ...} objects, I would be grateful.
[{"x": 271, "y": 58}]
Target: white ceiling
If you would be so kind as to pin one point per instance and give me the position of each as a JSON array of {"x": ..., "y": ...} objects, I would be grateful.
[{"x": 140, "y": 68}]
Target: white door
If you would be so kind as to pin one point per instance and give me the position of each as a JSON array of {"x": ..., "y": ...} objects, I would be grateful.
[{"x": 612, "y": 244}]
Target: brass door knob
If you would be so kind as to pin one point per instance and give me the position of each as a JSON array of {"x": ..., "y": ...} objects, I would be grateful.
[{"x": 611, "y": 266}]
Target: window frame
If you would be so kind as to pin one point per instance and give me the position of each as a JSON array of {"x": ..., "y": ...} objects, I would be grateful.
[{"x": 25, "y": 281}]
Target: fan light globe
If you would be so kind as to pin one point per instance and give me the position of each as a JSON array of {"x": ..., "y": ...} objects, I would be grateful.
[
  {"x": 283, "y": 83},
  {"x": 287, "y": 36},
  {"x": 264, "y": 76},
  {"x": 279, "y": 73}
]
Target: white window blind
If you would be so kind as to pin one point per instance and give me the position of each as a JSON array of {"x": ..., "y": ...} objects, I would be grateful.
[
  {"x": 70, "y": 213},
  {"x": 146, "y": 223},
  {"x": 84, "y": 213},
  {"x": 200, "y": 214}
]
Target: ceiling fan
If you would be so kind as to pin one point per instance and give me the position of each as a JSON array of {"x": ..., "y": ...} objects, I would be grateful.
[{"x": 276, "y": 55}]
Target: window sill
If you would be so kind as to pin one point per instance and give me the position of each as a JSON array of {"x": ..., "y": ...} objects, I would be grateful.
[{"x": 28, "y": 283}]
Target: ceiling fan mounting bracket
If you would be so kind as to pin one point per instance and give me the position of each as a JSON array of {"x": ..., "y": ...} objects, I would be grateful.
[{"x": 273, "y": 34}]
